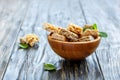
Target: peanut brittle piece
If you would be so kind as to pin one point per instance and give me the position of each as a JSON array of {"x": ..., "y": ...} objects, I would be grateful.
[
  {"x": 68, "y": 34},
  {"x": 49, "y": 27},
  {"x": 75, "y": 28},
  {"x": 89, "y": 32},
  {"x": 30, "y": 39},
  {"x": 86, "y": 38},
  {"x": 59, "y": 37}
]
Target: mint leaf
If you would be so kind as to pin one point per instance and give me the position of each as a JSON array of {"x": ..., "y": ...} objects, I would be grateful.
[
  {"x": 103, "y": 34},
  {"x": 87, "y": 27},
  {"x": 94, "y": 27},
  {"x": 49, "y": 67},
  {"x": 24, "y": 46}
]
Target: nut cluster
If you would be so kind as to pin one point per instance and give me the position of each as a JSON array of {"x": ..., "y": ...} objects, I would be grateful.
[
  {"x": 73, "y": 33},
  {"x": 30, "y": 39}
]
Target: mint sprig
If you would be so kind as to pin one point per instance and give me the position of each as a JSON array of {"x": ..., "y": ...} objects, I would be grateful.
[
  {"x": 49, "y": 67},
  {"x": 24, "y": 46},
  {"x": 94, "y": 27},
  {"x": 103, "y": 34}
]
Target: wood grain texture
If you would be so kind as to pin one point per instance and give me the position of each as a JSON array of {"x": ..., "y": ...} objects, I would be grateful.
[
  {"x": 10, "y": 20},
  {"x": 107, "y": 17},
  {"x": 28, "y": 64},
  {"x": 21, "y": 17}
]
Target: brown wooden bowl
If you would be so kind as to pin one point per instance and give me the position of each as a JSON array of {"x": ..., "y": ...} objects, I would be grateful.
[{"x": 74, "y": 50}]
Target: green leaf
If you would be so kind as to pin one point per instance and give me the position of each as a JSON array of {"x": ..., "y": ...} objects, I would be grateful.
[
  {"x": 103, "y": 34},
  {"x": 49, "y": 67},
  {"x": 24, "y": 46},
  {"x": 85, "y": 28},
  {"x": 95, "y": 27}
]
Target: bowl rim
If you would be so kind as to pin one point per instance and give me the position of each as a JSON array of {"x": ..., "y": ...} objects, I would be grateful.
[{"x": 98, "y": 38}]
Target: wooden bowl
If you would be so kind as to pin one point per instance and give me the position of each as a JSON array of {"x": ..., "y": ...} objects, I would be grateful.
[{"x": 74, "y": 50}]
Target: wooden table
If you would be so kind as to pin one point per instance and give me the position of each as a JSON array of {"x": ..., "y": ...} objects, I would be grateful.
[{"x": 20, "y": 17}]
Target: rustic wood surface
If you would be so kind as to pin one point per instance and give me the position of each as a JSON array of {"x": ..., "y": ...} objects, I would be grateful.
[{"x": 20, "y": 17}]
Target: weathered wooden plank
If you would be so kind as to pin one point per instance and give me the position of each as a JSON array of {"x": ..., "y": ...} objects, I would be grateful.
[
  {"x": 10, "y": 20},
  {"x": 107, "y": 17},
  {"x": 1, "y": 6},
  {"x": 28, "y": 64},
  {"x": 110, "y": 63}
]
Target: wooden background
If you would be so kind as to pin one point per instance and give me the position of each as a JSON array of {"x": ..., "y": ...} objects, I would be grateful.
[{"x": 20, "y": 17}]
